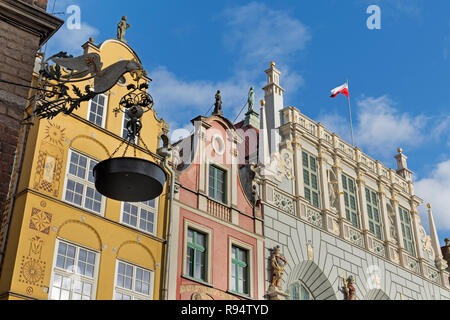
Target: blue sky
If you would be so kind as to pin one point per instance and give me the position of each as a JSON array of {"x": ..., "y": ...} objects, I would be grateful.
[{"x": 399, "y": 75}]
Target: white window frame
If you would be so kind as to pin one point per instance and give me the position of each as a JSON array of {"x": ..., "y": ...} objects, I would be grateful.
[
  {"x": 251, "y": 273},
  {"x": 209, "y": 253},
  {"x": 134, "y": 295},
  {"x": 141, "y": 206},
  {"x": 105, "y": 108},
  {"x": 74, "y": 276},
  {"x": 85, "y": 182}
]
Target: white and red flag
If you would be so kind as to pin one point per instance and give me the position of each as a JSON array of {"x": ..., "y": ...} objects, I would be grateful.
[{"x": 341, "y": 89}]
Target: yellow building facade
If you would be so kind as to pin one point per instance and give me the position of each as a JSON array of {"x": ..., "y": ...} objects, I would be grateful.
[{"x": 66, "y": 241}]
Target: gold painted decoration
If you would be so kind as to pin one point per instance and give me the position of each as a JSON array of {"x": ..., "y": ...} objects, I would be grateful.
[
  {"x": 50, "y": 161},
  {"x": 36, "y": 245},
  {"x": 32, "y": 271},
  {"x": 40, "y": 221}
]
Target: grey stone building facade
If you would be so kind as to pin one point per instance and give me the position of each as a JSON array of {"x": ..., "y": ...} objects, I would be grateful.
[{"x": 337, "y": 213}]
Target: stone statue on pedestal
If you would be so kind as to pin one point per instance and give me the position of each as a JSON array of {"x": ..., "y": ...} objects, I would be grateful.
[
  {"x": 350, "y": 290},
  {"x": 277, "y": 263},
  {"x": 218, "y": 105},
  {"x": 251, "y": 99},
  {"x": 122, "y": 27}
]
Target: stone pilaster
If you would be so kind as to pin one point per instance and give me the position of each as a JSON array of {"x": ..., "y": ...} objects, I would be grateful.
[
  {"x": 363, "y": 207},
  {"x": 401, "y": 249}
]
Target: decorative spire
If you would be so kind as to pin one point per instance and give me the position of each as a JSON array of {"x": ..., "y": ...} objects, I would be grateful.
[
  {"x": 435, "y": 240},
  {"x": 263, "y": 152}
]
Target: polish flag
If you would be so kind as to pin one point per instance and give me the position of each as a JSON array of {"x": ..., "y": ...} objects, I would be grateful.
[{"x": 342, "y": 89}]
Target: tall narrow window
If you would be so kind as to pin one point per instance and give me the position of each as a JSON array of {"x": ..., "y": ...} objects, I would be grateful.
[
  {"x": 373, "y": 213},
  {"x": 141, "y": 215},
  {"x": 74, "y": 273},
  {"x": 80, "y": 183},
  {"x": 300, "y": 292},
  {"x": 310, "y": 179},
  {"x": 217, "y": 184},
  {"x": 196, "y": 255},
  {"x": 351, "y": 211},
  {"x": 239, "y": 270},
  {"x": 405, "y": 221},
  {"x": 97, "y": 110},
  {"x": 133, "y": 282}
]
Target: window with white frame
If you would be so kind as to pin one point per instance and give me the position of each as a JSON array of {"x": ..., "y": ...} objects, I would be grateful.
[
  {"x": 141, "y": 215},
  {"x": 74, "y": 273},
  {"x": 80, "y": 184},
  {"x": 240, "y": 273},
  {"x": 373, "y": 213},
  {"x": 310, "y": 179},
  {"x": 405, "y": 221},
  {"x": 132, "y": 282},
  {"x": 351, "y": 210},
  {"x": 97, "y": 110}
]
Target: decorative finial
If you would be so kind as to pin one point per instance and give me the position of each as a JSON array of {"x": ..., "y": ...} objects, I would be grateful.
[
  {"x": 272, "y": 64},
  {"x": 400, "y": 150},
  {"x": 91, "y": 40},
  {"x": 263, "y": 103},
  {"x": 429, "y": 205},
  {"x": 122, "y": 27}
]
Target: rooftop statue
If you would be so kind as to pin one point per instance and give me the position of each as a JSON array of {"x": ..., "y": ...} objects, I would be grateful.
[
  {"x": 251, "y": 99},
  {"x": 218, "y": 105},
  {"x": 122, "y": 27}
]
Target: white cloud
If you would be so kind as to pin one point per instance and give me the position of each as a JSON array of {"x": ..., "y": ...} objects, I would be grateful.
[
  {"x": 256, "y": 35},
  {"x": 435, "y": 189},
  {"x": 259, "y": 33},
  {"x": 336, "y": 123},
  {"x": 173, "y": 94},
  {"x": 71, "y": 40},
  {"x": 382, "y": 129},
  {"x": 67, "y": 39}
]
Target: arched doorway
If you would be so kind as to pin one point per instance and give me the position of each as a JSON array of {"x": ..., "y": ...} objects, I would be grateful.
[
  {"x": 376, "y": 294},
  {"x": 308, "y": 282}
]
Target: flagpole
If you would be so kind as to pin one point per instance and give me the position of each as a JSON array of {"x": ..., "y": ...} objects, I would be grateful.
[{"x": 350, "y": 115}]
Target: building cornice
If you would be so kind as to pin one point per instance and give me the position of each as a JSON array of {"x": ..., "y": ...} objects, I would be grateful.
[{"x": 30, "y": 18}]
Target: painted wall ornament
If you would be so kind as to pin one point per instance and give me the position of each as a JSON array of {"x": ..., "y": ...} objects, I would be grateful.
[
  {"x": 50, "y": 161},
  {"x": 40, "y": 221}
]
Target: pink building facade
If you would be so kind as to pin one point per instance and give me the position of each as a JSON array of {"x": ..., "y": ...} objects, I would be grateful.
[{"x": 216, "y": 237}]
